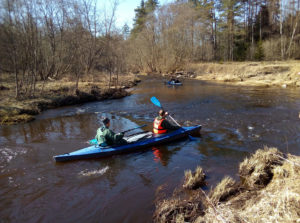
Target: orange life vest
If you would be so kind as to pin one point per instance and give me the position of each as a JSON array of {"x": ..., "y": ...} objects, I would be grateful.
[{"x": 157, "y": 128}]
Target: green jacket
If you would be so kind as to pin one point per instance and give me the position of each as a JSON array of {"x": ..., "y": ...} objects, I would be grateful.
[
  {"x": 167, "y": 125},
  {"x": 107, "y": 137}
]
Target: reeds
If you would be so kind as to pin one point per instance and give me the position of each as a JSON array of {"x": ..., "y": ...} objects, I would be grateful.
[
  {"x": 194, "y": 180},
  {"x": 223, "y": 190},
  {"x": 269, "y": 191},
  {"x": 250, "y": 73},
  {"x": 257, "y": 170}
]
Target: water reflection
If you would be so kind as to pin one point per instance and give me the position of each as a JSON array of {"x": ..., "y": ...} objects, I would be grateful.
[{"x": 163, "y": 154}]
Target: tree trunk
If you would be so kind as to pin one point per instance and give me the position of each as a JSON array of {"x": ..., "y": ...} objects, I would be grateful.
[
  {"x": 281, "y": 31},
  {"x": 292, "y": 37},
  {"x": 214, "y": 31},
  {"x": 109, "y": 79},
  {"x": 252, "y": 30},
  {"x": 77, "y": 81},
  {"x": 17, "y": 83},
  {"x": 260, "y": 37}
]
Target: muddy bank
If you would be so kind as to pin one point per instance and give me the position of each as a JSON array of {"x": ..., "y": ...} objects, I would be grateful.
[
  {"x": 278, "y": 73},
  {"x": 268, "y": 191},
  {"x": 14, "y": 111}
]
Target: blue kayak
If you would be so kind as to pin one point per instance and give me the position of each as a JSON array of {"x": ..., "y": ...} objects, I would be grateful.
[
  {"x": 174, "y": 83},
  {"x": 143, "y": 141}
]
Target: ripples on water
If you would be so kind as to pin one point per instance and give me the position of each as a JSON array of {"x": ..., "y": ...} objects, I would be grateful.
[
  {"x": 88, "y": 173},
  {"x": 236, "y": 121},
  {"x": 7, "y": 155}
]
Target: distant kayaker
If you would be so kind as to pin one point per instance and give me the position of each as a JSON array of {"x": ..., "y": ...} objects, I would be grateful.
[
  {"x": 161, "y": 125},
  {"x": 174, "y": 81},
  {"x": 107, "y": 137}
]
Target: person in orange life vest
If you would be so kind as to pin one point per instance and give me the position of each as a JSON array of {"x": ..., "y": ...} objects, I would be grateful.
[{"x": 161, "y": 125}]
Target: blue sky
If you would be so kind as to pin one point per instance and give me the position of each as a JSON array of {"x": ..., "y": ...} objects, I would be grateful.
[{"x": 125, "y": 11}]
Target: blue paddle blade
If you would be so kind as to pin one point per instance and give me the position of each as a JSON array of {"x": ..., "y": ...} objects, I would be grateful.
[
  {"x": 93, "y": 142},
  {"x": 191, "y": 138},
  {"x": 155, "y": 101}
]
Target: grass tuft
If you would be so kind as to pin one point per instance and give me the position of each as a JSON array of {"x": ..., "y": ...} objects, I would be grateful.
[
  {"x": 257, "y": 170},
  {"x": 269, "y": 191},
  {"x": 225, "y": 189},
  {"x": 194, "y": 180}
]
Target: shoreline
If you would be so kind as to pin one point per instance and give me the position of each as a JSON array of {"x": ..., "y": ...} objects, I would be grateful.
[
  {"x": 261, "y": 74},
  {"x": 268, "y": 189},
  {"x": 60, "y": 93},
  {"x": 14, "y": 111}
]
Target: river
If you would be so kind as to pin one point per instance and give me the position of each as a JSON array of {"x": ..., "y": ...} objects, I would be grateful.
[{"x": 236, "y": 121}]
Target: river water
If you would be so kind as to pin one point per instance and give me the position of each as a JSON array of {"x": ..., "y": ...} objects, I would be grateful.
[{"x": 236, "y": 121}]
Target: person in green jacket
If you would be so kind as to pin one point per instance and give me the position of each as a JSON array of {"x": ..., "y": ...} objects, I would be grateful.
[{"x": 107, "y": 137}]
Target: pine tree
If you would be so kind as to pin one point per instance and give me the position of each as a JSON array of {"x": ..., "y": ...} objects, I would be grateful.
[
  {"x": 140, "y": 18},
  {"x": 141, "y": 14},
  {"x": 125, "y": 31},
  {"x": 259, "y": 53},
  {"x": 229, "y": 10},
  {"x": 151, "y": 5}
]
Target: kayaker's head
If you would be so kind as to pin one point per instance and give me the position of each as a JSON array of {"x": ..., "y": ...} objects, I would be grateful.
[
  {"x": 106, "y": 121},
  {"x": 162, "y": 113}
]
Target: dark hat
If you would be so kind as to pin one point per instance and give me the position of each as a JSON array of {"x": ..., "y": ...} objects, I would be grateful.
[
  {"x": 105, "y": 120},
  {"x": 161, "y": 112}
]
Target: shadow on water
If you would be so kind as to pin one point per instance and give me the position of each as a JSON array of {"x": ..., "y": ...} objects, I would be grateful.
[{"x": 235, "y": 121}]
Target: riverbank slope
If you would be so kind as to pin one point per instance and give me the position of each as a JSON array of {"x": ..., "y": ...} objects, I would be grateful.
[
  {"x": 56, "y": 93},
  {"x": 273, "y": 73},
  {"x": 268, "y": 191}
]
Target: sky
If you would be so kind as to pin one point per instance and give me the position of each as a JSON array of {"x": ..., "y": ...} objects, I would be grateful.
[{"x": 125, "y": 11}]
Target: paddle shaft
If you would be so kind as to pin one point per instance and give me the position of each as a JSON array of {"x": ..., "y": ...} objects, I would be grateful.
[
  {"x": 190, "y": 137},
  {"x": 174, "y": 121},
  {"x": 134, "y": 128}
]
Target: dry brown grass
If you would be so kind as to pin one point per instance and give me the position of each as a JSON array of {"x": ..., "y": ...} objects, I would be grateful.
[
  {"x": 55, "y": 93},
  {"x": 269, "y": 191},
  {"x": 194, "y": 180},
  {"x": 179, "y": 210},
  {"x": 277, "y": 73},
  {"x": 224, "y": 190},
  {"x": 257, "y": 170},
  {"x": 279, "y": 201}
]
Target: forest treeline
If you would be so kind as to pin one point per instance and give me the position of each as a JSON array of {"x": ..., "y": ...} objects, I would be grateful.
[{"x": 41, "y": 40}]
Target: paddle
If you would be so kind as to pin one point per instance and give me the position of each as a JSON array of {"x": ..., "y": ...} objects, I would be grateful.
[
  {"x": 141, "y": 126},
  {"x": 94, "y": 141},
  {"x": 156, "y": 102}
]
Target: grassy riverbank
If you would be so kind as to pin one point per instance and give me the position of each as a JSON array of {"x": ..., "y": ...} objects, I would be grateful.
[
  {"x": 268, "y": 191},
  {"x": 57, "y": 93},
  {"x": 275, "y": 73}
]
